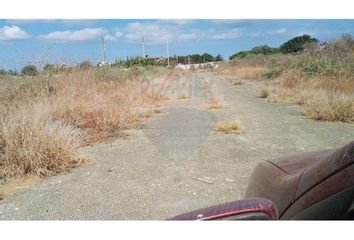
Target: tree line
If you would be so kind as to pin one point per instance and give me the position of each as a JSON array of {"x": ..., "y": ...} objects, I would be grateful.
[{"x": 293, "y": 45}]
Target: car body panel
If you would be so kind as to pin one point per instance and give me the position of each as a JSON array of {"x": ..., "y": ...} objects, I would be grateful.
[
  {"x": 249, "y": 209},
  {"x": 315, "y": 175}
]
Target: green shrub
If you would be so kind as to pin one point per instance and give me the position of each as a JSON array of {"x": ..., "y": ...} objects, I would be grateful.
[
  {"x": 29, "y": 70},
  {"x": 264, "y": 49},
  {"x": 297, "y": 44},
  {"x": 319, "y": 65},
  {"x": 85, "y": 65}
]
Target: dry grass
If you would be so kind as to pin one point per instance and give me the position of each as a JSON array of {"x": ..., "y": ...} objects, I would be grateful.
[
  {"x": 44, "y": 120},
  {"x": 18, "y": 183},
  {"x": 329, "y": 106},
  {"x": 236, "y": 82},
  {"x": 249, "y": 73},
  {"x": 32, "y": 142},
  {"x": 183, "y": 96},
  {"x": 206, "y": 87},
  {"x": 233, "y": 127},
  {"x": 245, "y": 69},
  {"x": 214, "y": 103},
  {"x": 327, "y": 70},
  {"x": 265, "y": 92}
]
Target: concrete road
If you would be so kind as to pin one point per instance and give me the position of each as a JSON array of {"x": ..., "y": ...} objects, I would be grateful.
[{"x": 177, "y": 163}]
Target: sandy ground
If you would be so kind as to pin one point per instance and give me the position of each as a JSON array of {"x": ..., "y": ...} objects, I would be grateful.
[{"x": 176, "y": 162}]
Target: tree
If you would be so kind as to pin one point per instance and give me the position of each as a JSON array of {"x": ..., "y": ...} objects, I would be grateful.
[
  {"x": 297, "y": 44},
  {"x": 264, "y": 49},
  {"x": 207, "y": 57},
  {"x": 49, "y": 67},
  {"x": 29, "y": 70},
  {"x": 218, "y": 58},
  {"x": 85, "y": 65}
]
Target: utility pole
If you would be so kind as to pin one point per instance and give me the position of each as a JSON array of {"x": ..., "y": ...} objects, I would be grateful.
[
  {"x": 168, "y": 54},
  {"x": 103, "y": 50},
  {"x": 142, "y": 40}
]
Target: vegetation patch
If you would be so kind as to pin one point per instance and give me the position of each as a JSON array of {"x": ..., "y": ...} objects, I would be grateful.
[
  {"x": 183, "y": 96},
  {"x": 214, "y": 103},
  {"x": 46, "y": 118},
  {"x": 233, "y": 127}
]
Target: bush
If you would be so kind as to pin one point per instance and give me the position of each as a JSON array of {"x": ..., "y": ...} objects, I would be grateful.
[
  {"x": 297, "y": 44},
  {"x": 49, "y": 67},
  {"x": 219, "y": 58},
  {"x": 29, "y": 70},
  {"x": 85, "y": 65},
  {"x": 264, "y": 50}
]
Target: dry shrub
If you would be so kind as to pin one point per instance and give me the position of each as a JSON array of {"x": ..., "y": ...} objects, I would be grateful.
[
  {"x": 236, "y": 82},
  {"x": 248, "y": 69},
  {"x": 102, "y": 105},
  {"x": 214, "y": 103},
  {"x": 249, "y": 73},
  {"x": 229, "y": 127},
  {"x": 45, "y": 119},
  {"x": 329, "y": 106},
  {"x": 206, "y": 87},
  {"x": 183, "y": 96},
  {"x": 32, "y": 142},
  {"x": 265, "y": 92}
]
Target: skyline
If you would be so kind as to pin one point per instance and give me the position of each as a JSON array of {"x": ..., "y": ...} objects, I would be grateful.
[{"x": 38, "y": 42}]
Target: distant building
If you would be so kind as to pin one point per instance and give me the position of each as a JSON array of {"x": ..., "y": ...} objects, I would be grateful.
[{"x": 155, "y": 58}]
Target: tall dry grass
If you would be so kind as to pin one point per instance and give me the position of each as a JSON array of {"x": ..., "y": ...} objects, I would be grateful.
[
  {"x": 44, "y": 119},
  {"x": 247, "y": 69},
  {"x": 326, "y": 72},
  {"x": 232, "y": 127},
  {"x": 32, "y": 142}
]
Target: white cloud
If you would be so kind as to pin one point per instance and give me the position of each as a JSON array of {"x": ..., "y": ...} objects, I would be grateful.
[
  {"x": 177, "y": 21},
  {"x": 12, "y": 33},
  {"x": 74, "y": 36},
  {"x": 30, "y": 21},
  {"x": 153, "y": 33},
  {"x": 157, "y": 32},
  {"x": 278, "y": 31},
  {"x": 227, "y": 21},
  {"x": 228, "y": 34},
  {"x": 83, "y": 22},
  {"x": 109, "y": 37},
  {"x": 118, "y": 34},
  {"x": 314, "y": 33}
]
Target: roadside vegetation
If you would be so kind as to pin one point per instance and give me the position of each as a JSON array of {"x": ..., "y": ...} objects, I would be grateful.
[
  {"x": 319, "y": 76},
  {"x": 45, "y": 116},
  {"x": 214, "y": 103},
  {"x": 232, "y": 127}
]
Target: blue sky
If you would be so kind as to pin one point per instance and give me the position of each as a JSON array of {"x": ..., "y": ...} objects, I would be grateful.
[{"x": 71, "y": 41}]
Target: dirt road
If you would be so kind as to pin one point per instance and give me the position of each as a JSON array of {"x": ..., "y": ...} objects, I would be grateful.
[{"x": 177, "y": 163}]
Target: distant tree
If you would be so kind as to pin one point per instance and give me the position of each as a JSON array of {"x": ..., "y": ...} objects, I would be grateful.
[
  {"x": 241, "y": 54},
  {"x": 49, "y": 67},
  {"x": 85, "y": 65},
  {"x": 29, "y": 70},
  {"x": 264, "y": 49},
  {"x": 218, "y": 58},
  {"x": 297, "y": 44},
  {"x": 13, "y": 72},
  {"x": 208, "y": 57}
]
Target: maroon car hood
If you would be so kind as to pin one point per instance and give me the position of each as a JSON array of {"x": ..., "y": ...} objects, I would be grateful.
[
  {"x": 315, "y": 167},
  {"x": 286, "y": 179}
]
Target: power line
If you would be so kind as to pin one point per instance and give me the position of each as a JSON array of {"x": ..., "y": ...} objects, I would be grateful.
[
  {"x": 168, "y": 53},
  {"x": 103, "y": 50},
  {"x": 142, "y": 40}
]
